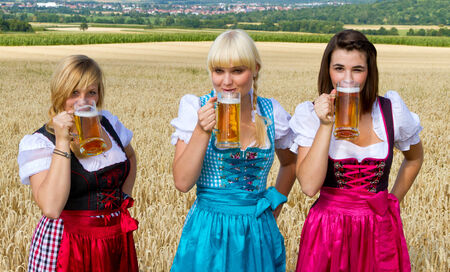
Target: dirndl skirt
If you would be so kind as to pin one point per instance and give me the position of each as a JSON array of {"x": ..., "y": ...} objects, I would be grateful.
[
  {"x": 232, "y": 230},
  {"x": 353, "y": 231},
  {"x": 85, "y": 241}
]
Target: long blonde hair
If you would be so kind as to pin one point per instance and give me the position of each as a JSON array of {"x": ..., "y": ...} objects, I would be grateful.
[
  {"x": 235, "y": 47},
  {"x": 74, "y": 72}
]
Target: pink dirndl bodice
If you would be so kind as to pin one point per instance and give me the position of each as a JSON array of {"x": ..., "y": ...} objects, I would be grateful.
[{"x": 355, "y": 224}]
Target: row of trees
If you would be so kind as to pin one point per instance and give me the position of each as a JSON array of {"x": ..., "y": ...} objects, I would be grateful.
[
  {"x": 381, "y": 31},
  {"x": 443, "y": 31},
  {"x": 14, "y": 25},
  {"x": 311, "y": 26}
]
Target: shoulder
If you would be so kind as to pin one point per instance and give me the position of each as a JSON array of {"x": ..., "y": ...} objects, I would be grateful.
[
  {"x": 191, "y": 100},
  {"x": 304, "y": 123},
  {"x": 34, "y": 141},
  {"x": 113, "y": 119},
  {"x": 277, "y": 107},
  {"x": 406, "y": 123},
  {"x": 396, "y": 100},
  {"x": 305, "y": 110}
]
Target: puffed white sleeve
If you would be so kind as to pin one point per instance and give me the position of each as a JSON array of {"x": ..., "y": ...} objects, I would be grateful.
[
  {"x": 304, "y": 123},
  {"x": 187, "y": 119},
  {"x": 35, "y": 155},
  {"x": 406, "y": 123},
  {"x": 283, "y": 133},
  {"x": 125, "y": 135}
]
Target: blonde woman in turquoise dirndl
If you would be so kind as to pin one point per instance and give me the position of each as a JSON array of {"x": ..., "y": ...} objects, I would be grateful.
[{"x": 232, "y": 224}]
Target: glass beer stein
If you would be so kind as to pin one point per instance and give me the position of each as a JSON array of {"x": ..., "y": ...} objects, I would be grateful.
[
  {"x": 228, "y": 119},
  {"x": 347, "y": 108},
  {"x": 88, "y": 128}
]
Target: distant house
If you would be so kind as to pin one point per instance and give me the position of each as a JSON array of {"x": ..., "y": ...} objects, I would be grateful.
[{"x": 48, "y": 5}]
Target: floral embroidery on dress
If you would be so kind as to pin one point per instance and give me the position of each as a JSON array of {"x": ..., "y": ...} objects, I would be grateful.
[
  {"x": 236, "y": 155},
  {"x": 251, "y": 155}
]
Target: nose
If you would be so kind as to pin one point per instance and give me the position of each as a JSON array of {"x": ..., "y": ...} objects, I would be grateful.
[
  {"x": 348, "y": 75},
  {"x": 227, "y": 79}
]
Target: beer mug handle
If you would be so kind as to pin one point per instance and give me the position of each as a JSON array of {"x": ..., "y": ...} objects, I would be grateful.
[{"x": 75, "y": 137}]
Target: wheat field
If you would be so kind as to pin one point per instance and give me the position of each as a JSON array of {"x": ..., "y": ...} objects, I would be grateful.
[{"x": 144, "y": 83}]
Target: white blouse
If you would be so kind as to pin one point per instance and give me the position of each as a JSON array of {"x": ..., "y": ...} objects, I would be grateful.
[
  {"x": 187, "y": 119},
  {"x": 35, "y": 151},
  {"x": 305, "y": 124}
]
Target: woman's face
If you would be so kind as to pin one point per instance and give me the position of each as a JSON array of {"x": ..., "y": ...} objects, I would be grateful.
[
  {"x": 232, "y": 79},
  {"x": 88, "y": 94},
  {"x": 348, "y": 65}
]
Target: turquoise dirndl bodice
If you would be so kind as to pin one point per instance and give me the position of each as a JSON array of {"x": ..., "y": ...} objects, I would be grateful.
[{"x": 230, "y": 227}]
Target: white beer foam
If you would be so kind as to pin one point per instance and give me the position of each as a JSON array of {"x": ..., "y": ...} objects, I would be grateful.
[
  {"x": 86, "y": 113},
  {"x": 229, "y": 100},
  {"x": 348, "y": 89}
]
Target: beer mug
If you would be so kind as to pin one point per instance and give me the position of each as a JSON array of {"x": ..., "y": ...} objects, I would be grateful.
[
  {"x": 346, "y": 110},
  {"x": 228, "y": 119},
  {"x": 88, "y": 128}
]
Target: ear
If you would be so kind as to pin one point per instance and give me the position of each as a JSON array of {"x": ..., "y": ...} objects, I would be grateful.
[{"x": 255, "y": 73}]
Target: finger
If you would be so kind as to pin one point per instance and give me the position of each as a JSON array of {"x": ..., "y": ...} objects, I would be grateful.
[
  {"x": 210, "y": 118},
  {"x": 206, "y": 107},
  {"x": 211, "y": 125}
]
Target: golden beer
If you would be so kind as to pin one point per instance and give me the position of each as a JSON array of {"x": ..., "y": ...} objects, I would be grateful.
[
  {"x": 346, "y": 113},
  {"x": 228, "y": 121},
  {"x": 88, "y": 128}
]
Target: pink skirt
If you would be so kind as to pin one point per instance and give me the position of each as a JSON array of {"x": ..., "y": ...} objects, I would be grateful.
[{"x": 353, "y": 231}]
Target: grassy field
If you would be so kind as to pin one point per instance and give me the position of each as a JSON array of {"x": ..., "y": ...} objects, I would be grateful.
[
  {"x": 144, "y": 83},
  {"x": 72, "y": 35}
]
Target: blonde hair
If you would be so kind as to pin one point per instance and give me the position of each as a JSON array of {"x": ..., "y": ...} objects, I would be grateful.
[
  {"x": 72, "y": 73},
  {"x": 235, "y": 47}
]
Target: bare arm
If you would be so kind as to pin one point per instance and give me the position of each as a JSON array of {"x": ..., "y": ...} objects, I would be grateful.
[
  {"x": 408, "y": 170},
  {"x": 312, "y": 161},
  {"x": 51, "y": 187},
  {"x": 128, "y": 185},
  {"x": 188, "y": 159},
  {"x": 286, "y": 174}
]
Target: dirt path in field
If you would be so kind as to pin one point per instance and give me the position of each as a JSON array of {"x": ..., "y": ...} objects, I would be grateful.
[
  {"x": 96, "y": 29},
  {"x": 289, "y": 54}
]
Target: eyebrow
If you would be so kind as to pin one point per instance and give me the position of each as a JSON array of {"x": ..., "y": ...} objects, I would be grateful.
[
  {"x": 356, "y": 66},
  {"x": 232, "y": 67}
]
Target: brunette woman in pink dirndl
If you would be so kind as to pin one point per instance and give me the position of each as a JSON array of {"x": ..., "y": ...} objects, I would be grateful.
[
  {"x": 355, "y": 224},
  {"x": 85, "y": 225}
]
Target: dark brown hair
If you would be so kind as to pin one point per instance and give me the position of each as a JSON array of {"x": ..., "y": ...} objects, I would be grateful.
[{"x": 352, "y": 40}]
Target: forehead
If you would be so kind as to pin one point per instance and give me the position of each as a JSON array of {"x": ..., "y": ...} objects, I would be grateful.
[
  {"x": 86, "y": 87},
  {"x": 231, "y": 66},
  {"x": 348, "y": 57}
]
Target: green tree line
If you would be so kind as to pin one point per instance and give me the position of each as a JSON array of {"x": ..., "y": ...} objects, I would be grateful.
[{"x": 14, "y": 25}]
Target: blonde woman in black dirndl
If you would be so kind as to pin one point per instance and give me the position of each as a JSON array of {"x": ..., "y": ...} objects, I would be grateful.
[{"x": 85, "y": 225}]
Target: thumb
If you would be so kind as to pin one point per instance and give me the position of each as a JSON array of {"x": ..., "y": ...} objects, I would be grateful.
[
  {"x": 333, "y": 94},
  {"x": 212, "y": 99},
  {"x": 332, "y": 99}
]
